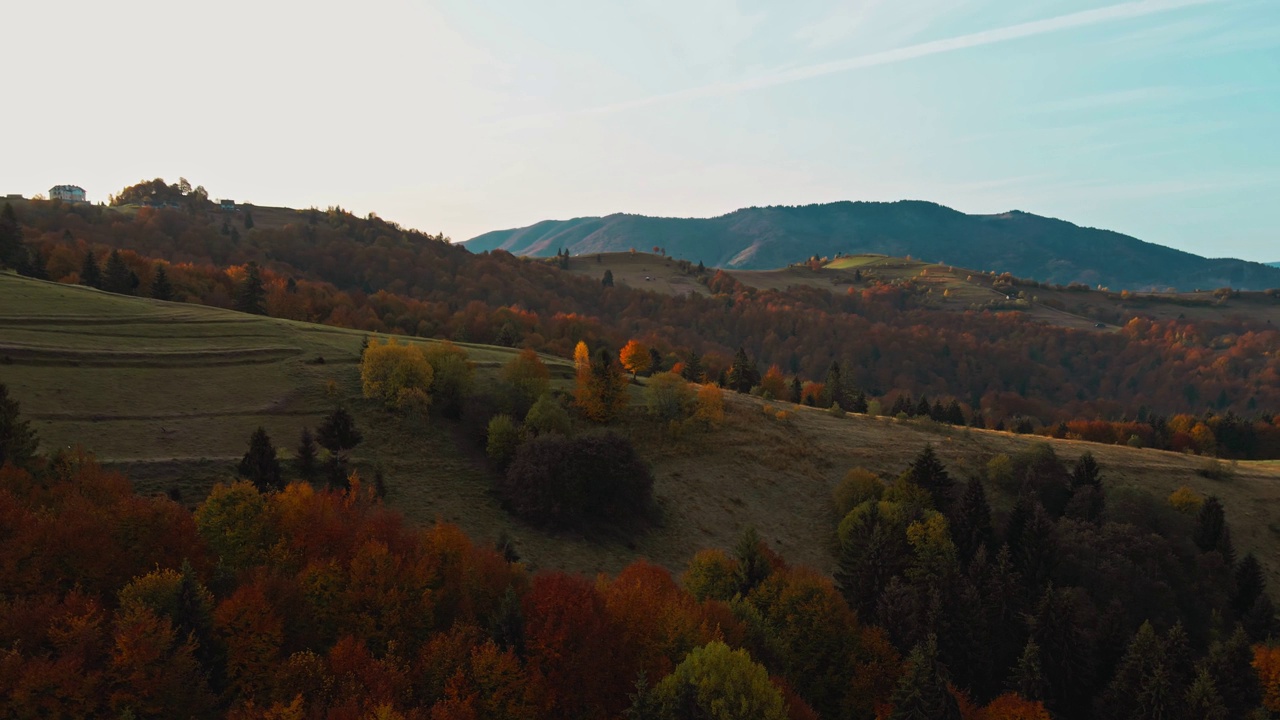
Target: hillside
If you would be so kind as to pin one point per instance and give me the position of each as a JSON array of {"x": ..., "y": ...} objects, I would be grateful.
[
  {"x": 1048, "y": 250},
  {"x": 170, "y": 393}
]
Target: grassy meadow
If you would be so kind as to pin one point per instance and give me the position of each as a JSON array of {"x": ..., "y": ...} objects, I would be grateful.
[{"x": 170, "y": 394}]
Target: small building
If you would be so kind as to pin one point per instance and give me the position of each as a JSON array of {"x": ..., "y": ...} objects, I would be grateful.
[
  {"x": 227, "y": 205},
  {"x": 14, "y": 196},
  {"x": 69, "y": 193}
]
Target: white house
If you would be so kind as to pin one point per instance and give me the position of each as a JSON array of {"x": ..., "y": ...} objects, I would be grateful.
[{"x": 70, "y": 193}]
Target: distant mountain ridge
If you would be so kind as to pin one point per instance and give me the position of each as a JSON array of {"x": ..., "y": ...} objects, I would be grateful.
[{"x": 1024, "y": 244}]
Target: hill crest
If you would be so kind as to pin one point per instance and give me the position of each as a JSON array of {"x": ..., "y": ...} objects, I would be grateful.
[{"x": 758, "y": 238}]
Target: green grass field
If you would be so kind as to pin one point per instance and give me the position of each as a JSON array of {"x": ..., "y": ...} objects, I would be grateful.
[{"x": 170, "y": 393}]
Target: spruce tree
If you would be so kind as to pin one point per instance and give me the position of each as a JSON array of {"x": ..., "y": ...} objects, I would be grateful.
[
  {"x": 1210, "y": 523},
  {"x": 13, "y": 254},
  {"x": 743, "y": 374},
  {"x": 971, "y": 526},
  {"x": 248, "y": 219},
  {"x": 1086, "y": 472},
  {"x": 251, "y": 297},
  {"x": 90, "y": 275},
  {"x": 338, "y": 435},
  {"x": 161, "y": 289},
  {"x": 305, "y": 463},
  {"x": 928, "y": 473},
  {"x": 116, "y": 277},
  {"x": 1249, "y": 585},
  {"x": 797, "y": 391},
  {"x": 1028, "y": 677},
  {"x": 922, "y": 692},
  {"x": 835, "y": 387},
  {"x": 1230, "y": 666},
  {"x": 1203, "y": 701},
  {"x": 607, "y": 280},
  {"x": 260, "y": 464},
  {"x": 18, "y": 441}
]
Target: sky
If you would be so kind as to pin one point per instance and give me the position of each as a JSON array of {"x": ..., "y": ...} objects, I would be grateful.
[{"x": 1156, "y": 118}]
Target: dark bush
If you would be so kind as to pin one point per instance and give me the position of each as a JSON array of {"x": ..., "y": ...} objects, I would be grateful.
[
  {"x": 594, "y": 479},
  {"x": 477, "y": 411}
]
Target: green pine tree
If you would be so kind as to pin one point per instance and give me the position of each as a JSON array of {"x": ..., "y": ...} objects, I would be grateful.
[
  {"x": 252, "y": 296},
  {"x": 117, "y": 278},
  {"x": 13, "y": 254},
  {"x": 90, "y": 275},
  {"x": 18, "y": 441},
  {"x": 305, "y": 463},
  {"x": 161, "y": 289},
  {"x": 922, "y": 693},
  {"x": 260, "y": 464},
  {"x": 753, "y": 565},
  {"x": 928, "y": 472}
]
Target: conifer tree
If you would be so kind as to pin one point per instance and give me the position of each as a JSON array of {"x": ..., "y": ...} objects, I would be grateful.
[
  {"x": 1203, "y": 702},
  {"x": 117, "y": 277},
  {"x": 972, "y": 527},
  {"x": 928, "y": 473},
  {"x": 1086, "y": 472},
  {"x": 260, "y": 464},
  {"x": 90, "y": 275},
  {"x": 251, "y": 297},
  {"x": 607, "y": 280},
  {"x": 338, "y": 433},
  {"x": 834, "y": 388},
  {"x": 743, "y": 374},
  {"x": 161, "y": 288},
  {"x": 13, "y": 253},
  {"x": 796, "y": 390},
  {"x": 1230, "y": 666},
  {"x": 18, "y": 441},
  {"x": 1028, "y": 677},
  {"x": 922, "y": 693},
  {"x": 305, "y": 463}
]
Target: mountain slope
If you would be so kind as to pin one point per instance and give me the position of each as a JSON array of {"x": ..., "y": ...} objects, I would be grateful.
[{"x": 1026, "y": 245}]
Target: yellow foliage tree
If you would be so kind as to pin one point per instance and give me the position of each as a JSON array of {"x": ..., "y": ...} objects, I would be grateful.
[
  {"x": 398, "y": 375},
  {"x": 601, "y": 389},
  {"x": 710, "y": 409},
  {"x": 774, "y": 384},
  {"x": 635, "y": 357},
  {"x": 1186, "y": 501}
]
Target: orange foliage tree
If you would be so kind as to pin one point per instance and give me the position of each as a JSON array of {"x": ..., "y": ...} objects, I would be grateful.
[{"x": 635, "y": 357}]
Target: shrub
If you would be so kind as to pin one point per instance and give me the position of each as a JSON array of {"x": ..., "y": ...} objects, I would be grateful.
[
  {"x": 858, "y": 486},
  {"x": 835, "y": 410},
  {"x": 503, "y": 438},
  {"x": 392, "y": 372},
  {"x": 548, "y": 415},
  {"x": 710, "y": 410},
  {"x": 561, "y": 482},
  {"x": 669, "y": 397},
  {"x": 1186, "y": 501}
]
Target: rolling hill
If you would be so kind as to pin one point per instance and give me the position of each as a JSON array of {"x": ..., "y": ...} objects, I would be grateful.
[
  {"x": 170, "y": 392},
  {"x": 1045, "y": 249}
]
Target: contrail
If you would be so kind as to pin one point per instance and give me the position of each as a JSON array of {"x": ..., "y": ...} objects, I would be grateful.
[{"x": 1123, "y": 11}]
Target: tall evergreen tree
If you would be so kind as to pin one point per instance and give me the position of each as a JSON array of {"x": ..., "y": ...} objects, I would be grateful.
[
  {"x": 796, "y": 390},
  {"x": 1249, "y": 585},
  {"x": 1028, "y": 677},
  {"x": 607, "y": 280},
  {"x": 338, "y": 434},
  {"x": 928, "y": 472},
  {"x": 971, "y": 525},
  {"x": 872, "y": 553},
  {"x": 1230, "y": 667},
  {"x": 1067, "y": 651},
  {"x": 251, "y": 297},
  {"x": 260, "y": 464},
  {"x": 743, "y": 374},
  {"x": 834, "y": 388},
  {"x": 161, "y": 288},
  {"x": 1086, "y": 472},
  {"x": 90, "y": 275},
  {"x": 922, "y": 693},
  {"x": 117, "y": 277},
  {"x": 305, "y": 463},
  {"x": 13, "y": 254},
  {"x": 1203, "y": 701},
  {"x": 18, "y": 441}
]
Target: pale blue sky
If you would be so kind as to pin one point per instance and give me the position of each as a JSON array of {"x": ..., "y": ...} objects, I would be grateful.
[{"x": 1157, "y": 118}]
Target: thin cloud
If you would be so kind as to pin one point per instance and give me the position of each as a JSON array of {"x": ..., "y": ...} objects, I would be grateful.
[{"x": 1070, "y": 21}]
